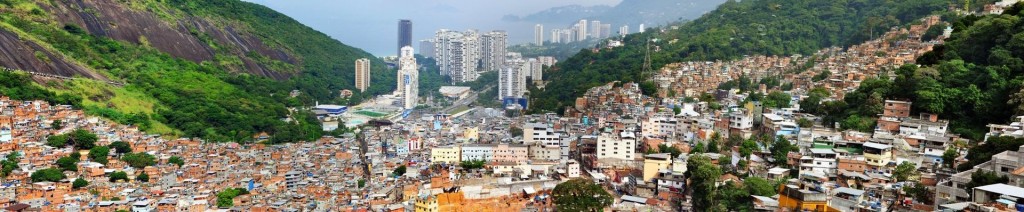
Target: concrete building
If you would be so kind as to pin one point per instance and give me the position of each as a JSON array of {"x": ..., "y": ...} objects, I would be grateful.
[
  {"x": 512, "y": 80},
  {"x": 514, "y": 154},
  {"x": 820, "y": 161},
  {"x": 581, "y": 30},
  {"x": 624, "y": 30},
  {"x": 572, "y": 169},
  {"x": 408, "y": 79},
  {"x": 493, "y": 48},
  {"x": 538, "y": 35},
  {"x": 654, "y": 163},
  {"x": 595, "y": 29},
  {"x": 606, "y": 31},
  {"x": 404, "y": 34},
  {"x": 659, "y": 126},
  {"x": 547, "y": 60},
  {"x": 477, "y": 152},
  {"x": 556, "y": 36},
  {"x": 616, "y": 146},
  {"x": 449, "y": 155},
  {"x": 540, "y": 133},
  {"x": 545, "y": 153},
  {"x": 427, "y": 49},
  {"x": 458, "y": 54},
  {"x": 877, "y": 155},
  {"x": 362, "y": 74},
  {"x": 1008, "y": 163}
]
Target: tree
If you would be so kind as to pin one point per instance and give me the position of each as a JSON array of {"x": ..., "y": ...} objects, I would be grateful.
[
  {"x": 47, "y": 175},
  {"x": 677, "y": 110},
  {"x": 56, "y": 124},
  {"x": 83, "y": 139},
  {"x": 804, "y": 123},
  {"x": 713, "y": 147},
  {"x": 777, "y": 99},
  {"x": 919, "y": 192},
  {"x": 139, "y": 160},
  {"x": 121, "y": 147},
  {"x": 703, "y": 177},
  {"x": 118, "y": 175},
  {"x": 949, "y": 157},
  {"x": 99, "y": 154},
  {"x": 748, "y": 147},
  {"x": 176, "y": 161},
  {"x": 9, "y": 164},
  {"x": 398, "y": 172},
  {"x": 57, "y": 141},
  {"x": 225, "y": 198},
  {"x": 142, "y": 177},
  {"x": 68, "y": 164},
  {"x": 472, "y": 164},
  {"x": 904, "y": 171},
  {"x": 361, "y": 183},
  {"x": 984, "y": 178},
  {"x": 675, "y": 152},
  {"x": 760, "y": 186},
  {"x": 515, "y": 131},
  {"x": 780, "y": 151},
  {"x": 79, "y": 183},
  {"x": 580, "y": 195}
]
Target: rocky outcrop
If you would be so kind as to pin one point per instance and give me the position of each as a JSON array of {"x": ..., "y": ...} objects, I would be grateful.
[
  {"x": 17, "y": 53},
  {"x": 185, "y": 37}
]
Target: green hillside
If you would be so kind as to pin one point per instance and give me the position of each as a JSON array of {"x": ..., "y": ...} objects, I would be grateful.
[
  {"x": 736, "y": 28},
  {"x": 220, "y": 98}
]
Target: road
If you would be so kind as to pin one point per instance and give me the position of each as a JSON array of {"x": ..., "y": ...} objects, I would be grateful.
[{"x": 473, "y": 96}]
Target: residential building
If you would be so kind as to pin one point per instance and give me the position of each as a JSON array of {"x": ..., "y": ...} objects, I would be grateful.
[
  {"x": 662, "y": 126},
  {"x": 616, "y": 146},
  {"x": 477, "y": 152},
  {"x": 1007, "y": 163},
  {"x": 654, "y": 163},
  {"x": 538, "y": 35},
  {"x": 362, "y": 74},
  {"x": 821, "y": 161},
  {"x": 545, "y": 153},
  {"x": 540, "y": 133},
  {"x": 606, "y": 31},
  {"x": 800, "y": 198},
  {"x": 505, "y": 153},
  {"x": 512, "y": 80},
  {"x": 581, "y": 30},
  {"x": 595, "y": 29},
  {"x": 408, "y": 79},
  {"x": 556, "y": 36},
  {"x": 448, "y": 155},
  {"x": 458, "y": 54},
  {"x": 877, "y": 155},
  {"x": 624, "y": 30},
  {"x": 493, "y": 48},
  {"x": 427, "y": 49}
]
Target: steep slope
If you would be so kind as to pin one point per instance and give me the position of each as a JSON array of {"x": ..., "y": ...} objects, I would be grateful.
[
  {"x": 628, "y": 12},
  {"x": 736, "y": 28},
  {"x": 222, "y": 72}
]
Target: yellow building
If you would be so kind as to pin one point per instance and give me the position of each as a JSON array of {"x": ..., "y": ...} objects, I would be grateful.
[
  {"x": 654, "y": 163},
  {"x": 877, "y": 155},
  {"x": 449, "y": 155},
  {"x": 427, "y": 204},
  {"x": 795, "y": 198},
  {"x": 471, "y": 133}
]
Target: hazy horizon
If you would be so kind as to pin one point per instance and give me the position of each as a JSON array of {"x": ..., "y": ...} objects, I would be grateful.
[{"x": 364, "y": 25}]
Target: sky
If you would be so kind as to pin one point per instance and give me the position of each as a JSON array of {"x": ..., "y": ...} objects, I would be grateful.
[{"x": 372, "y": 25}]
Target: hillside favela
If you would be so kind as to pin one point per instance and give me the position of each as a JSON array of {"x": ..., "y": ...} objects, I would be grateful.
[{"x": 508, "y": 106}]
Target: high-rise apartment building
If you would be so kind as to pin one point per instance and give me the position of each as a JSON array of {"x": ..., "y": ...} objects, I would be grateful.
[
  {"x": 624, "y": 30},
  {"x": 606, "y": 31},
  {"x": 556, "y": 36},
  {"x": 362, "y": 74},
  {"x": 641, "y": 30},
  {"x": 404, "y": 34},
  {"x": 595, "y": 29},
  {"x": 458, "y": 54},
  {"x": 493, "y": 49},
  {"x": 512, "y": 79},
  {"x": 581, "y": 30},
  {"x": 427, "y": 48},
  {"x": 538, "y": 35},
  {"x": 408, "y": 78},
  {"x": 536, "y": 69}
]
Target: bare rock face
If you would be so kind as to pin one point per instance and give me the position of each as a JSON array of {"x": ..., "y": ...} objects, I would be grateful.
[
  {"x": 17, "y": 53},
  {"x": 182, "y": 38}
]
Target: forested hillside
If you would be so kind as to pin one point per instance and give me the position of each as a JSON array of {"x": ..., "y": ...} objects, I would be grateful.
[
  {"x": 736, "y": 28},
  {"x": 973, "y": 80},
  {"x": 219, "y": 70}
]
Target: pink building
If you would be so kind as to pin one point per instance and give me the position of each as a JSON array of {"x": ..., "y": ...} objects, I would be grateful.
[{"x": 504, "y": 153}]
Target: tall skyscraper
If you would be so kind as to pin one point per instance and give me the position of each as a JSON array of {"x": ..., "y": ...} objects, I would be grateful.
[
  {"x": 427, "y": 48},
  {"x": 624, "y": 30},
  {"x": 641, "y": 30},
  {"x": 404, "y": 34},
  {"x": 458, "y": 54},
  {"x": 362, "y": 74},
  {"x": 581, "y": 30},
  {"x": 512, "y": 80},
  {"x": 556, "y": 35},
  {"x": 606, "y": 31},
  {"x": 538, "y": 35},
  {"x": 493, "y": 48},
  {"x": 408, "y": 78},
  {"x": 536, "y": 70},
  {"x": 595, "y": 29}
]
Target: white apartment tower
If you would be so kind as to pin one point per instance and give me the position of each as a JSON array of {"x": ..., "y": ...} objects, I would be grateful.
[
  {"x": 493, "y": 50},
  {"x": 457, "y": 54},
  {"x": 624, "y": 30},
  {"x": 595, "y": 29},
  {"x": 408, "y": 78},
  {"x": 536, "y": 70},
  {"x": 538, "y": 34},
  {"x": 556, "y": 36},
  {"x": 606, "y": 30},
  {"x": 512, "y": 79},
  {"x": 362, "y": 74},
  {"x": 581, "y": 30}
]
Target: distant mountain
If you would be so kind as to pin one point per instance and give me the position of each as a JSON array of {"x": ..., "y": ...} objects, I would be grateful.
[{"x": 628, "y": 12}]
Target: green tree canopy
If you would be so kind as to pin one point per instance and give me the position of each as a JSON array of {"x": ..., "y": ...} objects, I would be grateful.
[
  {"x": 139, "y": 160},
  {"x": 47, "y": 175},
  {"x": 176, "y": 161},
  {"x": 118, "y": 175},
  {"x": 580, "y": 195},
  {"x": 121, "y": 147},
  {"x": 79, "y": 183},
  {"x": 99, "y": 154}
]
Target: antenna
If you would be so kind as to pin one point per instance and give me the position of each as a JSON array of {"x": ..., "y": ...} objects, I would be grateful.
[{"x": 647, "y": 60}]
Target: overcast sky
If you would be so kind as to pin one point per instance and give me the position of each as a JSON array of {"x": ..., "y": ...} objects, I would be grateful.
[{"x": 372, "y": 25}]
